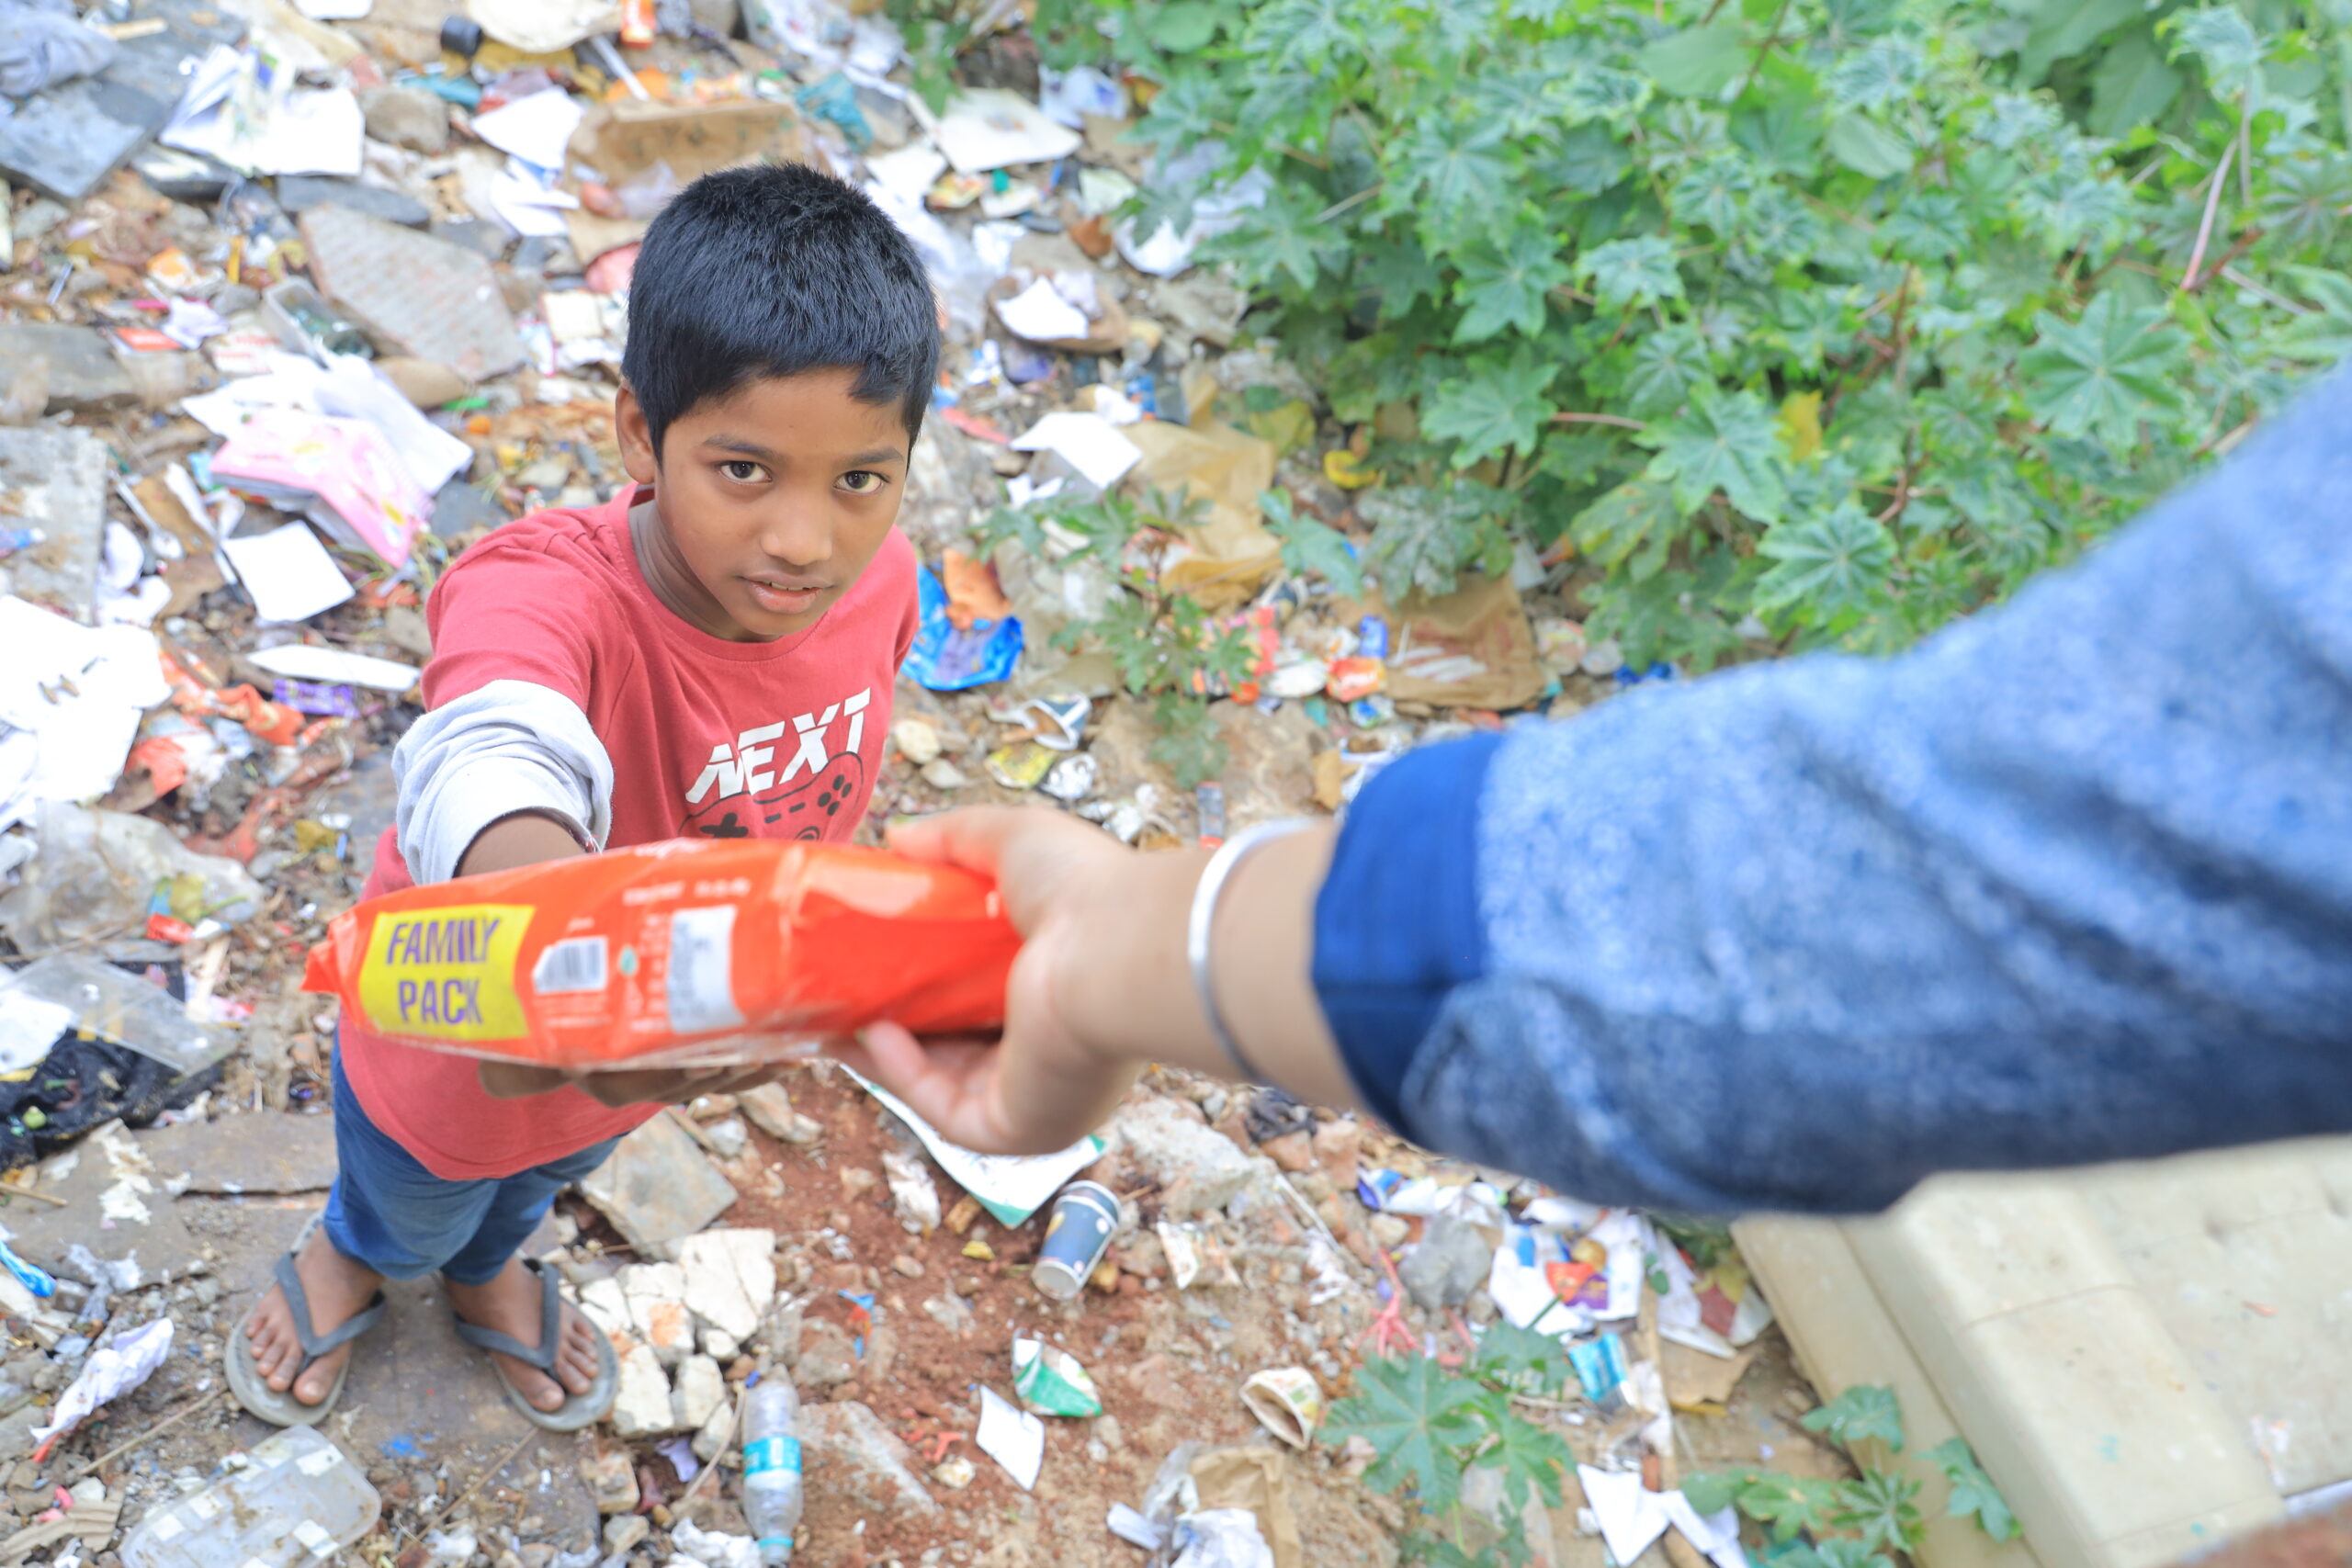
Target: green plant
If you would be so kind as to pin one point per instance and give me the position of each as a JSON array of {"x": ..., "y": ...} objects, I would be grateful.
[
  {"x": 1430, "y": 1428},
  {"x": 1164, "y": 646},
  {"x": 1877, "y": 1510},
  {"x": 1842, "y": 315}
]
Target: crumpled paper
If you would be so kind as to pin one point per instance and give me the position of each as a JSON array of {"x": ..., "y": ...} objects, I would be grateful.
[{"x": 111, "y": 1372}]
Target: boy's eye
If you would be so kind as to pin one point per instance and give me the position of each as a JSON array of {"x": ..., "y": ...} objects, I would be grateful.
[
  {"x": 862, "y": 482},
  {"x": 741, "y": 470}
]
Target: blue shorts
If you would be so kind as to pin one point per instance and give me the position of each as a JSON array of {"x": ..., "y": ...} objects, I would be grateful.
[{"x": 390, "y": 1212}]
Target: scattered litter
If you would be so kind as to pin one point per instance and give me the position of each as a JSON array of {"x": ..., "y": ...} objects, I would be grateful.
[
  {"x": 112, "y": 1371},
  {"x": 296, "y": 1498},
  {"x": 1221, "y": 1538},
  {"x": 991, "y": 127},
  {"x": 1092, "y": 444},
  {"x": 1085, "y": 1218},
  {"x": 1010, "y": 1187},
  {"x": 1631, "y": 1517},
  {"x": 1287, "y": 1401},
  {"x": 1012, "y": 1438},
  {"x": 1051, "y": 1382},
  {"x": 313, "y": 661},
  {"x": 946, "y": 658},
  {"x": 287, "y": 572}
]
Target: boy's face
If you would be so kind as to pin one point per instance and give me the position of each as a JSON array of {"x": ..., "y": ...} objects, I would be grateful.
[{"x": 772, "y": 499}]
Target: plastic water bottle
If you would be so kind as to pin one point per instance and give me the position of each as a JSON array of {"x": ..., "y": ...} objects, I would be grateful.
[{"x": 772, "y": 1465}]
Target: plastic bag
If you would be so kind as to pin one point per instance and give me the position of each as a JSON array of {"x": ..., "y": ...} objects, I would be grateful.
[
  {"x": 686, "y": 952},
  {"x": 42, "y": 42},
  {"x": 97, "y": 876}
]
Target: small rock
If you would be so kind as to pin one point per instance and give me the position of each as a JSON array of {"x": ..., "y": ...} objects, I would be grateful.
[
  {"x": 907, "y": 1264},
  {"x": 1294, "y": 1151},
  {"x": 719, "y": 1344},
  {"x": 1107, "y": 1428},
  {"x": 425, "y": 383},
  {"x": 727, "y": 1138},
  {"x": 626, "y": 1533},
  {"x": 863, "y": 1464},
  {"x": 943, "y": 775},
  {"x": 954, "y": 1472},
  {"x": 1453, "y": 1261},
  {"x": 537, "y": 1554},
  {"x": 611, "y": 1477},
  {"x": 826, "y": 1357},
  {"x": 913, "y": 1196},
  {"x": 856, "y": 1180},
  {"x": 643, "y": 1408},
  {"x": 917, "y": 742},
  {"x": 1388, "y": 1230},
  {"x": 1199, "y": 1169},
  {"x": 656, "y": 1295},
  {"x": 715, "y": 1432},
  {"x": 769, "y": 1108},
  {"x": 1603, "y": 658},
  {"x": 406, "y": 117},
  {"x": 1336, "y": 1145},
  {"x": 702, "y": 1388},
  {"x": 729, "y": 1277}
]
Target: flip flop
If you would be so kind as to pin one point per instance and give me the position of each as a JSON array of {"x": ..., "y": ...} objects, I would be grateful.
[
  {"x": 246, "y": 1380},
  {"x": 577, "y": 1410}
]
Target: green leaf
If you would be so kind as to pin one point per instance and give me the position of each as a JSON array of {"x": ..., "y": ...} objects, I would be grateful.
[
  {"x": 1812, "y": 324},
  {"x": 1505, "y": 286},
  {"x": 1699, "y": 62},
  {"x": 1311, "y": 547},
  {"x": 1713, "y": 192},
  {"x": 1414, "y": 1414},
  {"x": 1663, "y": 368},
  {"x": 1878, "y": 1506},
  {"x": 1725, "y": 441},
  {"x": 1864, "y": 1411},
  {"x": 1531, "y": 1458},
  {"x": 2101, "y": 375},
  {"x": 1188, "y": 741},
  {"x": 2308, "y": 199},
  {"x": 1499, "y": 408},
  {"x": 2132, "y": 84},
  {"x": 1973, "y": 1492},
  {"x": 1181, "y": 27},
  {"x": 1628, "y": 274},
  {"x": 1522, "y": 1359},
  {"x": 2324, "y": 336},
  {"x": 1878, "y": 75},
  {"x": 1711, "y": 1492},
  {"x": 1867, "y": 147},
  {"x": 1928, "y": 226},
  {"x": 1832, "y": 1551},
  {"x": 2223, "y": 41},
  {"x": 1638, "y": 515},
  {"x": 1787, "y": 1503},
  {"x": 1832, "y": 563},
  {"x": 1457, "y": 168}
]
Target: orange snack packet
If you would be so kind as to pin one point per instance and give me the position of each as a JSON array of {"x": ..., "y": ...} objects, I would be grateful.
[{"x": 691, "y": 952}]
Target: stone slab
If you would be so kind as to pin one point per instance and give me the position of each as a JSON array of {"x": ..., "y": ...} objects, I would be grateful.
[
  {"x": 300, "y": 193},
  {"x": 415, "y": 293},
  {"x": 84, "y": 376},
  {"x": 659, "y": 1187},
  {"x": 55, "y": 479},
  {"x": 68, "y": 139}
]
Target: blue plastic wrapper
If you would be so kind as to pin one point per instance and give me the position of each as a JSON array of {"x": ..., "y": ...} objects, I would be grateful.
[
  {"x": 946, "y": 660},
  {"x": 1600, "y": 1364},
  {"x": 31, "y": 1275}
]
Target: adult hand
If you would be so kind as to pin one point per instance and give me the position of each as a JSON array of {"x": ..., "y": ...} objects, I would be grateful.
[
  {"x": 1040, "y": 1086},
  {"x": 635, "y": 1086}
]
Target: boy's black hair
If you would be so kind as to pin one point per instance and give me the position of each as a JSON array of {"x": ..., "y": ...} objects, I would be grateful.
[{"x": 773, "y": 270}]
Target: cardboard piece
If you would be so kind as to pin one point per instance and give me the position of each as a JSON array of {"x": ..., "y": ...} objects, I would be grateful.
[
  {"x": 1469, "y": 648},
  {"x": 618, "y": 140},
  {"x": 1259, "y": 1481},
  {"x": 1230, "y": 555}
]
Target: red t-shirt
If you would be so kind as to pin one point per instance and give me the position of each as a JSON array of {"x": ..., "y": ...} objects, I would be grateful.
[{"x": 728, "y": 740}]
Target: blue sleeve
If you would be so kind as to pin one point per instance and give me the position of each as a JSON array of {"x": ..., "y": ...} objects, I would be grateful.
[{"x": 2072, "y": 881}]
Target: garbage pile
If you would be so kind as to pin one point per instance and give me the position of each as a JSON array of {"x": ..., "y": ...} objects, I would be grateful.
[{"x": 299, "y": 300}]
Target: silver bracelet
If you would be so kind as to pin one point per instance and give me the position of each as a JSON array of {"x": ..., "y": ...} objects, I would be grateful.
[{"x": 1221, "y": 867}]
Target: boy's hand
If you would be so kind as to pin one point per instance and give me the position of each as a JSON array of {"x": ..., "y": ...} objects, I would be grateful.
[
  {"x": 664, "y": 1086},
  {"x": 1039, "y": 1088}
]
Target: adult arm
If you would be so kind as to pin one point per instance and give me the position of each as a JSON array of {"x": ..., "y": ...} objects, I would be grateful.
[{"x": 2072, "y": 881}]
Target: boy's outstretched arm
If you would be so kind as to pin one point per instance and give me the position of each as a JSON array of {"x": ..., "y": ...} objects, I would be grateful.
[{"x": 2070, "y": 882}]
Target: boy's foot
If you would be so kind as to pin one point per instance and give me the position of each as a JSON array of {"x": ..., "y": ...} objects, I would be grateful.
[
  {"x": 337, "y": 1288},
  {"x": 512, "y": 1303}
]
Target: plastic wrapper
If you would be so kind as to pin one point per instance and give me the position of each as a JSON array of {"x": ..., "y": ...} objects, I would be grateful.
[{"x": 682, "y": 952}]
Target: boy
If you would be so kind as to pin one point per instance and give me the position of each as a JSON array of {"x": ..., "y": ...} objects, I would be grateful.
[{"x": 710, "y": 653}]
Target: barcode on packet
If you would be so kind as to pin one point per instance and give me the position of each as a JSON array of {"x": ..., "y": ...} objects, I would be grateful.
[
  {"x": 576, "y": 964},
  {"x": 702, "y": 970}
]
